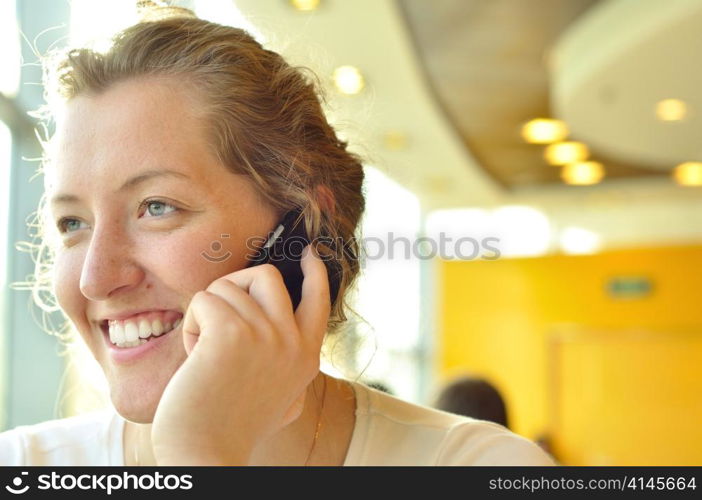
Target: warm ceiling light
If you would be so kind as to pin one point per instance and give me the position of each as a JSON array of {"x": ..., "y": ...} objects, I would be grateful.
[
  {"x": 348, "y": 79},
  {"x": 688, "y": 173},
  {"x": 562, "y": 153},
  {"x": 544, "y": 131},
  {"x": 305, "y": 5},
  {"x": 582, "y": 173},
  {"x": 671, "y": 110}
]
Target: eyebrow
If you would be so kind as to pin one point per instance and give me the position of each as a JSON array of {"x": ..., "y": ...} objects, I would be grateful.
[{"x": 128, "y": 184}]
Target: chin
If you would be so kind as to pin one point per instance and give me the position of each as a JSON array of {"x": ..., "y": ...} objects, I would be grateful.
[
  {"x": 137, "y": 400},
  {"x": 135, "y": 405}
]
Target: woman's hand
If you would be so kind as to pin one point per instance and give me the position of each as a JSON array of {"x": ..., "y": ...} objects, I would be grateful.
[{"x": 250, "y": 360}]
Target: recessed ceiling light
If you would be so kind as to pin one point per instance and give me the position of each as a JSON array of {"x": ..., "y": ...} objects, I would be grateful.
[
  {"x": 671, "y": 110},
  {"x": 562, "y": 153},
  {"x": 688, "y": 173},
  {"x": 348, "y": 80},
  {"x": 582, "y": 173},
  {"x": 544, "y": 131},
  {"x": 305, "y": 5}
]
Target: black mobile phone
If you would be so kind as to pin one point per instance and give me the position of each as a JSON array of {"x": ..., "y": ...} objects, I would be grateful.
[{"x": 283, "y": 249}]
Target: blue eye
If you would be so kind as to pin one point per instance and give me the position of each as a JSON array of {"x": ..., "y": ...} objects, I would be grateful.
[
  {"x": 161, "y": 206},
  {"x": 64, "y": 222},
  {"x": 68, "y": 224}
]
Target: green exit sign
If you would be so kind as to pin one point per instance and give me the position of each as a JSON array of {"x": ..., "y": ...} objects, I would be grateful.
[{"x": 629, "y": 287}]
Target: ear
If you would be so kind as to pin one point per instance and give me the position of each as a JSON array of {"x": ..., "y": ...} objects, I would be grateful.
[{"x": 325, "y": 198}]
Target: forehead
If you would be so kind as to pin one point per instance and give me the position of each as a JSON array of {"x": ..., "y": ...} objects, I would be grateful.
[{"x": 135, "y": 124}]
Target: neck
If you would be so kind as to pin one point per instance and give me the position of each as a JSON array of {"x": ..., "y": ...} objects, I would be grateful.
[{"x": 330, "y": 418}]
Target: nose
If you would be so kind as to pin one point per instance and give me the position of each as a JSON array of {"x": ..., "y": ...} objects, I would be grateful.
[{"x": 109, "y": 265}]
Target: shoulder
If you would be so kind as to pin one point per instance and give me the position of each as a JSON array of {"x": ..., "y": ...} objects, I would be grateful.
[
  {"x": 477, "y": 442},
  {"x": 78, "y": 440},
  {"x": 390, "y": 431}
]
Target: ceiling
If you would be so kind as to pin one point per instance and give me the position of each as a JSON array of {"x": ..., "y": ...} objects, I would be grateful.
[
  {"x": 487, "y": 65},
  {"x": 610, "y": 71},
  {"x": 456, "y": 79}
]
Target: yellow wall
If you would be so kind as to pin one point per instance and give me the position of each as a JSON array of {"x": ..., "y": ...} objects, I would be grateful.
[{"x": 613, "y": 380}]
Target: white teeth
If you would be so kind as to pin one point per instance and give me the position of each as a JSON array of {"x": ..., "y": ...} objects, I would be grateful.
[
  {"x": 131, "y": 332},
  {"x": 132, "y": 335},
  {"x": 157, "y": 328},
  {"x": 117, "y": 334},
  {"x": 133, "y": 343},
  {"x": 144, "y": 329}
]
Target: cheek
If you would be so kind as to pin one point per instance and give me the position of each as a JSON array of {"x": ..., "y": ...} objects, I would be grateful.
[
  {"x": 66, "y": 284},
  {"x": 189, "y": 262}
]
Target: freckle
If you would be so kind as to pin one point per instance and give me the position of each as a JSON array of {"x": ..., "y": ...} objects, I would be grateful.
[{"x": 148, "y": 285}]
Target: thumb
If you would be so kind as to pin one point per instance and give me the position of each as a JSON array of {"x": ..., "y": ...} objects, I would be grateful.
[{"x": 189, "y": 342}]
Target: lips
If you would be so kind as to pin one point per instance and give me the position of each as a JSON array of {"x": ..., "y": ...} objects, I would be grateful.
[{"x": 143, "y": 349}]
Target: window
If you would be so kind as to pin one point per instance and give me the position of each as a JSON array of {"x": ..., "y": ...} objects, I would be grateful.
[
  {"x": 10, "y": 52},
  {"x": 387, "y": 346},
  {"x": 5, "y": 162}
]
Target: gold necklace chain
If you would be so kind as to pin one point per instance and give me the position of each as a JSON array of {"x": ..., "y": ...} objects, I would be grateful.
[
  {"x": 314, "y": 439},
  {"x": 319, "y": 422}
]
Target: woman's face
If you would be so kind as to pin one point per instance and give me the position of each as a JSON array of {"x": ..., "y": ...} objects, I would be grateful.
[{"x": 142, "y": 245}]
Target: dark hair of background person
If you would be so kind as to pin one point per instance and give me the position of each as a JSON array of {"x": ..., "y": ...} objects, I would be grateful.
[{"x": 473, "y": 397}]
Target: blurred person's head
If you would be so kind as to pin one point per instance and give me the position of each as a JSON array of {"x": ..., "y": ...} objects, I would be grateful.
[
  {"x": 473, "y": 397},
  {"x": 245, "y": 140}
]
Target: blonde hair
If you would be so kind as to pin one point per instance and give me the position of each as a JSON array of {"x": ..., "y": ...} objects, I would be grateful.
[{"x": 265, "y": 120}]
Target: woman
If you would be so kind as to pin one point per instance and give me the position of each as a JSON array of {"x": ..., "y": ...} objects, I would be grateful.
[{"x": 207, "y": 360}]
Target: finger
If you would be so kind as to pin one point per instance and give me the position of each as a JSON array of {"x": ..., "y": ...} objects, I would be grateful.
[
  {"x": 265, "y": 285},
  {"x": 209, "y": 313},
  {"x": 249, "y": 310},
  {"x": 313, "y": 312},
  {"x": 295, "y": 410}
]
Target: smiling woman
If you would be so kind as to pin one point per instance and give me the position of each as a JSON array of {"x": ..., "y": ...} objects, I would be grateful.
[{"x": 183, "y": 133}]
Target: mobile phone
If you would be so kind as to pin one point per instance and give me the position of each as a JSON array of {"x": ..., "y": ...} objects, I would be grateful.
[{"x": 283, "y": 249}]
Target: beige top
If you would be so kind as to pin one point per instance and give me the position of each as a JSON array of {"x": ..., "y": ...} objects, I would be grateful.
[{"x": 388, "y": 431}]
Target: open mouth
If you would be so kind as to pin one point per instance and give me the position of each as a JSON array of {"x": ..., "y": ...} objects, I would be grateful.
[{"x": 131, "y": 334}]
